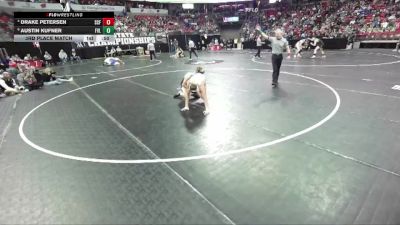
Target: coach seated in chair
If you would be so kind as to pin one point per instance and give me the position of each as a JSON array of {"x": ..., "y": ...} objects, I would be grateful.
[
  {"x": 107, "y": 53},
  {"x": 113, "y": 52},
  {"x": 119, "y": 51},
  {"x": 28, "y": 57},
  {"x": 48, "y": 58},
  {"x": 74, "y": 56},
  {"x": 63, "y": 56}
]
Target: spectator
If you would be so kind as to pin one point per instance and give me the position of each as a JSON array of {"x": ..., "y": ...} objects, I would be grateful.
[
  {"x": 8, "y": 86},
  {"x": 63, "y": 56},
  {"x": 74, "y": 56},
  {"x": 16, "y": 58},
  {"x": 119, "y": 51},
  {"x": 21, "y": 71},
  {"x": 3, "y": 66},
  {"x": 113, "y": 51},
  {"x": 28, "y": 57},
  {"x": 48, "y": 58},
  {"x": 30, "y": 81}
]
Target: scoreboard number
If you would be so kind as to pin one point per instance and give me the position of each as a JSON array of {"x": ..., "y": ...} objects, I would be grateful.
[
  {"x": 108, "y": 21},
  {"x": 89, "y": 38},
  {"x": 108, "y": 30},
  {"x": 106, "y": 38}
]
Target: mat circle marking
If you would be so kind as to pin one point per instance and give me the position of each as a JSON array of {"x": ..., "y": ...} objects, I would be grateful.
[{"x": 178, "y": 159}]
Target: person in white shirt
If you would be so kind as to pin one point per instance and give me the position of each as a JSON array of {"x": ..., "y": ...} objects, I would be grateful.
[
  {"x": 259, "y": 44},
  {"x": 63, "y": 56},
  {"x": 74, "y": 56},
  {"x": 16, "y": 58},
  {"x": 195, "y": 81},
  {"x": 48, "y": 58},
  {"x": 28, "y": 57},
  {"x": 278, "y": 45},
  {"x": 152, "y": 50},
  {"x": 119, "y": 51},
  {"x": 192, "y": 49}
]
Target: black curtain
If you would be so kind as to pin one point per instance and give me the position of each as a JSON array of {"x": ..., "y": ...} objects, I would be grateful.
[
  {"x": 181, "y": 40},
  {"x": 23, "y": 48}
]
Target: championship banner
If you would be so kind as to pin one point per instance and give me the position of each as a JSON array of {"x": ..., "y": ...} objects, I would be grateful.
[{"x": 121, "y": 39}]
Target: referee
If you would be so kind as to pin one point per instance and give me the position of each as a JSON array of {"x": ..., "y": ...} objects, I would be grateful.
[
  {"x": 192, "y": 49},
  {"x": 278, "y": 44}
]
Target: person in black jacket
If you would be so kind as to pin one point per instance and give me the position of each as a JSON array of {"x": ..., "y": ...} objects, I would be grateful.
[{"x": 48, "y": 77}]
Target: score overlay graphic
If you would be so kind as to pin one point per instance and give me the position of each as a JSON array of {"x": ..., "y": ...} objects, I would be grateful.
[{"x": 63, "y": 26}]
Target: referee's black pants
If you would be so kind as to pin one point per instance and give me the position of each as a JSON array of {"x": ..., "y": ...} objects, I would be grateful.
[
  {"x": 276, "y": 66},
  {"x": 192, "y": 50},
  {"x": 258, "y": 52},
  {"x": 152, "y": 54}
]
